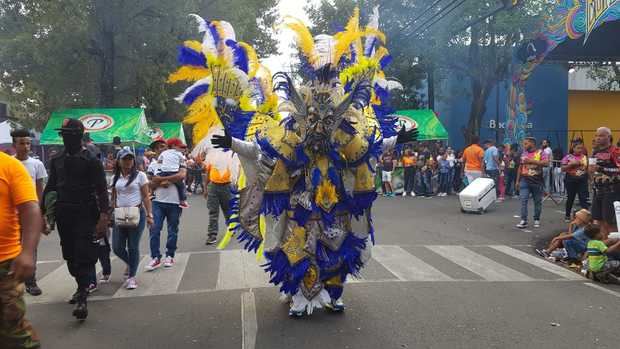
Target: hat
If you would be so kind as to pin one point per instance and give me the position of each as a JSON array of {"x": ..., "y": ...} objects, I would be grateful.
[
  {"x": 583, "y": 215},
  {"x": 74, "y": 126},
  {"x": 157, "y": 140},
  {"x": 176, "y": 142},
  {"x": 123, "y": 153}
]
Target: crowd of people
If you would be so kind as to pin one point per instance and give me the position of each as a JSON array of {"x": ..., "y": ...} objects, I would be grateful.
[{"x": 148, "y": 191}]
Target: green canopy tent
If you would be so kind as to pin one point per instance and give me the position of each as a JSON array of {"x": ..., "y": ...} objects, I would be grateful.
[
  {"x": 102, "y": 124},
  {"x": 167, "y": 130},
  {"x": 427, "y": 122}
]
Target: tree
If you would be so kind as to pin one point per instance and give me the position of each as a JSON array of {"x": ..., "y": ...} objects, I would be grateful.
[
  {"x": 606, "y": 75},
  {"x": 109, "y": 53},
  {"x": 442, "y": 46}
]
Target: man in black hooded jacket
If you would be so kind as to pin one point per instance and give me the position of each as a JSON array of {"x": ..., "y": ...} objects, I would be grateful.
[{"x": 81, "y": 210}]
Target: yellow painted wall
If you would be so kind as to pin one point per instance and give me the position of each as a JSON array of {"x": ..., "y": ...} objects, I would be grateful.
[{"x": 589, "y": 110}]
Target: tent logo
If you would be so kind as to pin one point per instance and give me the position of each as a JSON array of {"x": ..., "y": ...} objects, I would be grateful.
[
  {"x": 97, "y": 122},
  {"x": 156, "y": 133},
  {"x": 405, "y": 121}
]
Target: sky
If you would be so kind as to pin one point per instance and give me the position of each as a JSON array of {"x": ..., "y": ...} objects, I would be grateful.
[{"x": 285, "y": 38}]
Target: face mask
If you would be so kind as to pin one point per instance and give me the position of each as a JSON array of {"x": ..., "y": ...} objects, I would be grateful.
[{"x": 73, "y": 143}]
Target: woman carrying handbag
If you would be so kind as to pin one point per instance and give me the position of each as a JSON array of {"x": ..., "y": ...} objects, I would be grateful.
[{"x": 132, "y": 211}]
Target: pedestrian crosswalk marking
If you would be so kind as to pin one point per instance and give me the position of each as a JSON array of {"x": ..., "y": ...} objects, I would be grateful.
[
  {"x": 405, "y": 266},
  {"x": 239, "y": 269},
  {"x": 58, "y": 286},
  {"x": 479, "y": 264},
  {"x": 538, "y": 262}
]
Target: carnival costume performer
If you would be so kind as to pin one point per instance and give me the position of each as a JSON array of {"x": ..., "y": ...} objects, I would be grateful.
[{"x": 304, "y": 202}]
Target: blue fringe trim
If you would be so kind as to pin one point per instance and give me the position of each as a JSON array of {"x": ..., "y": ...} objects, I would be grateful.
[
  {"x": 291, "y": 165},
  {"x": 360, "y": 202},
  {"x": 386, "y": 122},
  {"x": 374, "y": 151},
  {"x": 194, "y": 93},
  {"x": 275, "y": 203},
  {"x": 316, "y": 177},
  {"x": 382, "y": 94},
  {"x": 250, "y": 242},
  {"x": 301, "y": 215},
  {"x": 187, "y": 56},
  {"x": 214, "y": 33},
  {"x": 282, "y": 273},
  {"x": 335, "y": 292},
  {"x": 333, "y": 177},
  {"x": 349, "y": 255}
]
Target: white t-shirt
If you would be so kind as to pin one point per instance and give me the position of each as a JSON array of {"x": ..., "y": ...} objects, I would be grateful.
[
  {"x": 549, "y": 152},
  {"x": 171, "y": 160},
  {"x": 130, "y": 195},
  {"x": 451, "y": 159},
  {"x": 35, "y": 168},
  {"x": 168, "y": 195}
]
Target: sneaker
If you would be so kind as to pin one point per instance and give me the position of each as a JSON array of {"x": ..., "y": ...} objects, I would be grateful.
[
  {"x": 542, "y": 252},
  {"x": 92, "y": 288},
  {"x": 81, "y": 309},
  {"x": 536, "y": 224},
  {"x": 184, "y": 204},
  {"x": 336, "y": 306},
  {"x": 168, "y": 262},
  {"x": 522, "y": 224},
  {"x": 567, "y": 219},
  {"x": 412, "y": 194},
  {"x": 211, "y": 240},
  {"x": 104, "y": 279},
  {"x": 154, "y": 264},
  {"x": 132, "y": 284},
  {"x": 405, "y": 193},
  {"x": 33, "y": 289}
]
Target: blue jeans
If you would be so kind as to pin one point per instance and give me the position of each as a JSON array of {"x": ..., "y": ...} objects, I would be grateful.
[
  {"x": 126, "y": 244},
  {"x": 172, "y": 213},
  {"x": 574, "y": 248},
  {"x": 444, "y": 182},
  {"x": 525, "y": 189},
  {"x": 547, "y": 179}
]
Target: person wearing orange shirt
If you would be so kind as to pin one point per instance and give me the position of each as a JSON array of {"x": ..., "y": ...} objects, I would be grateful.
[
  {"x": 409, "y": 161},
  {"x": 217, "y": 178},
  {"x": 472, "y": 159},
  {"x": 21, "y": 227}
]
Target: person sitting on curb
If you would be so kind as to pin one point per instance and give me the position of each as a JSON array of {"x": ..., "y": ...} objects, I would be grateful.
[
  {"x": 603, "y": 268},
  {"x": 574, "y": 241}
]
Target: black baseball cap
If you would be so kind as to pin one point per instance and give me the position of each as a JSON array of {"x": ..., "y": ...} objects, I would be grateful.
[{"x": 74, "y": 126}]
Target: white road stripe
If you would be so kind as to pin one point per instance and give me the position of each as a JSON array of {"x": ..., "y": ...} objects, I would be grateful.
[
  {"x": 230, "y": 275},
  {"x": 254, "y": 275},
  {"x": 538, "y": 262},
  {"x": 405, "y": 266},
  {"x": 158, "y": 282},
  {"x": 479, "y": 264},
  {"x": 58, "y": 286},
  {"x": 249, "y": 324},
  {"x": 601, "y": 288}
]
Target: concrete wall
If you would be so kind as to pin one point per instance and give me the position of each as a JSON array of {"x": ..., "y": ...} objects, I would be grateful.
[{"x": 547, "y": 92}]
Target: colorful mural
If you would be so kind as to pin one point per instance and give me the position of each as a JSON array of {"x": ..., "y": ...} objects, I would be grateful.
[{"x": 571, "y": 19}]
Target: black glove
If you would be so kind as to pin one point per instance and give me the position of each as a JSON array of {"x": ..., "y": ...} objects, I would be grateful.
[
  {"x": 222, "y": 142},
  {"x": 405, "y": 136}
]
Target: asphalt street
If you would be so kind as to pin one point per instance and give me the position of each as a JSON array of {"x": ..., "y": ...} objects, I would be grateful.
[{"x": 438, "y": 279}]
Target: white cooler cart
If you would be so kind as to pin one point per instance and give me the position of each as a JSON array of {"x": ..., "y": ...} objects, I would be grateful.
[{"x": 478, "y": 196}]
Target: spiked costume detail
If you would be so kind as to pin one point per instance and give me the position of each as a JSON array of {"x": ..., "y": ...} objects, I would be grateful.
[{"x": 304, "y": 201}]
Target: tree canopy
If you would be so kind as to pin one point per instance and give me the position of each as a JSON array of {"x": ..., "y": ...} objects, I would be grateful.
[
  {"x": 109, "y": 53},
  {"x": 434, "y": 38}
]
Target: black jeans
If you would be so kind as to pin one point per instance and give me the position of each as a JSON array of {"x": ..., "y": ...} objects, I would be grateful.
[
  {"x": 510, "y": 182},
  {"x": 409, "y": 179},
  {"x": 494, "y": 175},
  {"x": 576, "y": 187}
]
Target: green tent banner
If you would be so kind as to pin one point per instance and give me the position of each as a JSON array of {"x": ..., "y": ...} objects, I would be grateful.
[
  {"x": 426, "y": 120},
  {"x": 102, "y": 124},
  {"x": 167, "y": 130}
]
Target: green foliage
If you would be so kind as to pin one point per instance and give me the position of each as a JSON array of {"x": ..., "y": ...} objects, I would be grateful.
[
  {"x": 482, "y": 53},
  {"x": 606, "y": 75},
  {"x": 70, "y": 53}
]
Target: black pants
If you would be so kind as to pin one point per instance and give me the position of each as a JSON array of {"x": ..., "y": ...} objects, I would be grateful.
[
  {"x": 103, "y": 255},
  {"x": 76, "y": 227},
  {"x": 576, "y": 187},
  {"x": 409, "y": 179}
]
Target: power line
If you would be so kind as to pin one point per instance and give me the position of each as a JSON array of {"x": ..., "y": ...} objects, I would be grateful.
[
  {"x": 425, "y": 11},
  {"x": 440, "y": 12},
  {"x": 445, "y": 13}
]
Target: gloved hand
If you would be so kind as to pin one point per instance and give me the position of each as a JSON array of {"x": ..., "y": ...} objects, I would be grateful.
[
  {"x": 222, "y": 142},
  {"x": 405, "y": 136}
]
